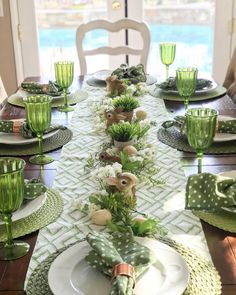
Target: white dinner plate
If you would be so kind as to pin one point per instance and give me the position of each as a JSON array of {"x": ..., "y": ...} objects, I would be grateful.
[
  {"x": 17, "y": 139},
  {"x": 71, "y": 275},
  {"x": 28, "y": 207},
  {"x": 102, "y": 75},
  {"x": 204, "y": 90},
  {"x": 221, "y": 137}
]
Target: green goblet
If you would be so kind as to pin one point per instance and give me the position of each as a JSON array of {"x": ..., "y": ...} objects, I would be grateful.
[
  {"x": 64, "y": 73},
  {"x": 38, "y": 116},
  {"x": 11, "y": 198},
  {"x": 186, "y": 80},
  {"x": 200, "y": 130},
  {"x": 167, "y": 53}
]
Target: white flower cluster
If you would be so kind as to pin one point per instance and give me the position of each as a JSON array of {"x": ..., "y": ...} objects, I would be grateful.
[
  {"x": 137, "y": 89},
  {"x": 87, "y": 208},
  {"x": 102, "y": 173},
  {"x": 104, "y": 105}
]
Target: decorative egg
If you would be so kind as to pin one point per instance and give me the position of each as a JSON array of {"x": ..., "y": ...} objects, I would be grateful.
[
  {"x": 100, "y": 217},
  {"x": 139, "y": 219},
  {"x": 130, "y": 150},
  {"x": 141, "y": 115}
]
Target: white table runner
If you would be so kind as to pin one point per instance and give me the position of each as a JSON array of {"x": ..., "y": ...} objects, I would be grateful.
[{"x": 72, "y": 181}]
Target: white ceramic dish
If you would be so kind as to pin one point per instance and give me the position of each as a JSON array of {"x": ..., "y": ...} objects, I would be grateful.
[
  {"x": 17, "y": 139},
  {"x": 102, "y": 75},
  {"x": 221, "y": 137},
  {"x": 204, "y": 90},
  {"x": 70, "y": 274},
  {"x": 28, "y": 208}
]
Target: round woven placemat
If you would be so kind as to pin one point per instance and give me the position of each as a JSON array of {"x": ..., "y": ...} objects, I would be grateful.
[
  {"x": 45, "y": 215},
  {"x": 223, "y": 219},
  {"x": 73, "y": 98},
  {"x": 217, "y": 92},
  {"x": 60, "y": 138},
  {"x": 173, "y": 138},
  {"x": 204, "y": 278}
]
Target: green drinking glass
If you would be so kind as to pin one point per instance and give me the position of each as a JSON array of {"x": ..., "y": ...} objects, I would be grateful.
[
  {"x": 167, "y": 53},
  {"x": 38, "y": 116},
  {"x": 64, "y": 74},
  {"x": 186, "y": 81},
  {"x": 200, "y": 130},
  {"x": 11, "y": 198}
]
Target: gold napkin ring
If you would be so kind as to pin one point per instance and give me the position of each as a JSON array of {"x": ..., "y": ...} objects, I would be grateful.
[
  {"x": 17, "y": 123},
  {"x": 124, "y": 269}
]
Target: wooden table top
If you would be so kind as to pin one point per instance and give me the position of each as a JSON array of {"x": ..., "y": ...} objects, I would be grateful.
[{"x": 221, "y": 244}]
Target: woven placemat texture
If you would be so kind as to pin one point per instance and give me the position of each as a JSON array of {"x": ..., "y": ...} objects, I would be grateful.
[
  {"x": 173, "y": 138},
  {"x": 223, "y": 219},
  {"x": 60, "y": 138},
  {"x": 45, "y": 215},
  {"x": 17, "y": 100},
  {"x": 217, "y": 92},
  {"x": 204, "y": 278}
]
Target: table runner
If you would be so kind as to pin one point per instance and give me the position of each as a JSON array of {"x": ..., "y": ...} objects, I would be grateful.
[{"x": 72, "y": 181}]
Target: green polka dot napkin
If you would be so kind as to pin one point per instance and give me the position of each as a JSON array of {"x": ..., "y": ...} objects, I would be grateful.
[
  {"x": 33, "y": 188},
  {"x": 226, "y": 126},
  {"x": 210, "y": 192},
  {"x": 108, "y": 251},
  {"x": 7, "y": 126},
  {"x": 52, "y": 88}
]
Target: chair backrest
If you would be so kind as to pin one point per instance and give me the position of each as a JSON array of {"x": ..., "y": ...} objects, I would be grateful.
[
  {"x": 230, "y": 77},
  {"x": 140, "y": 27},
  {"x": 3, "y": 93}
]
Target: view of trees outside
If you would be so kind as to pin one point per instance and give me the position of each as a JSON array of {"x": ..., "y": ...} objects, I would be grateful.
[{"x": 189, "y": 23}]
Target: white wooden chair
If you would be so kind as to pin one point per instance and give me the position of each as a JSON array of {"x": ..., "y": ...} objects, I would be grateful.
[
  {"x": 3, "y": 93},
  {"x": 140, "y": 27},
  {"x": 230, "y": 78}
]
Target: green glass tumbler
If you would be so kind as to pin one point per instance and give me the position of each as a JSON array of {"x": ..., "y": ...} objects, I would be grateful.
[
  {"x": 200, "y": 130},
  {"x": 64, "y": 74},
  {"x": 167, "y": 53},
  {"x": 38, "y": 117},
  {"x": 11, "y": 198},
  {"x": 186, "y": 81}
]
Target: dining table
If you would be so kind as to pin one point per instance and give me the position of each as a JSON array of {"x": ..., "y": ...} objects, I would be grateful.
[{"x": 221, "y": 244}]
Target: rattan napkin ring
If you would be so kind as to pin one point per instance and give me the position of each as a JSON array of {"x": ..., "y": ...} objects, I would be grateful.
[
  {"x": 124, "y": 269},
  {"x": 17, "y": 123}
]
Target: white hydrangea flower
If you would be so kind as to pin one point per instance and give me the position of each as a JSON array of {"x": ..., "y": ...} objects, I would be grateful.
[{"x": 76, "y": 204}]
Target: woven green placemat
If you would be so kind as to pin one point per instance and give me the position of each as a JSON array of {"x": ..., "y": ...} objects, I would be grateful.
[
  {"x": 173, "y": 138},
  {"x": 45, "y": 215},
  {"x": 223, "y": 219},
  {"x": 73, "y": 98},
  {"x": 204, "y": 278},
  {"x": 217, "y": 92},
  {"x": 60, "y": 138}
]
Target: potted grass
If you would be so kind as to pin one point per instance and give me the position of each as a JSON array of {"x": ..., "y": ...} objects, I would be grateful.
[
  {"x": 125, "y": 105},
  {"x": 124, "y": 133}
]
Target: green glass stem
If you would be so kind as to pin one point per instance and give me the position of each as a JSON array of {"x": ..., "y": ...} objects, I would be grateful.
[
  {"x": 40, "y": 141},
  {"x": 186, "y": 102},
  {"x": 8, "y": 223},
  {"x": 167, "y": 72},
  {"x": 199, "y": 159},
  {"x": 65, "y": 97}
]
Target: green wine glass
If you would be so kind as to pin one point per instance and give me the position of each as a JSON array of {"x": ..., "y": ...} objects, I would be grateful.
[
  {"x": 167, "y": 53},
  {"x": 64, "y": 74},
  {"x": 38, "y": 117},
  {"x": 186, "y": 81},
  {"x": 11, "y": 198},
  {"x": 200, "y": 130}
]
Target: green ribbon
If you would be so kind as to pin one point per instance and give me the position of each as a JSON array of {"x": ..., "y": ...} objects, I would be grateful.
[
  {"x": 210, "y": 192},
  {"x": 108, "y": 251}
]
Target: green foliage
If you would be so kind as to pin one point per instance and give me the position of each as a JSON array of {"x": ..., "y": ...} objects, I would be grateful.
[
  {"x": 126, "y": 131},
  {"x": 126, "y": 103},
  {"x": 118, "y": 204},
  {"x": 128, "y": 165},
  {"x": 147, "y": 227}
]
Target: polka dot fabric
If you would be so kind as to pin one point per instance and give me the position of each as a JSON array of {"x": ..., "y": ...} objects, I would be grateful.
[
  {"x": 210, "y": 192},
  {"x": 6, "y": 126},
  {"x": 227, "y": 126},
  {"x": 33, "y": 188},
  {"x": 109, "y": 250}
]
